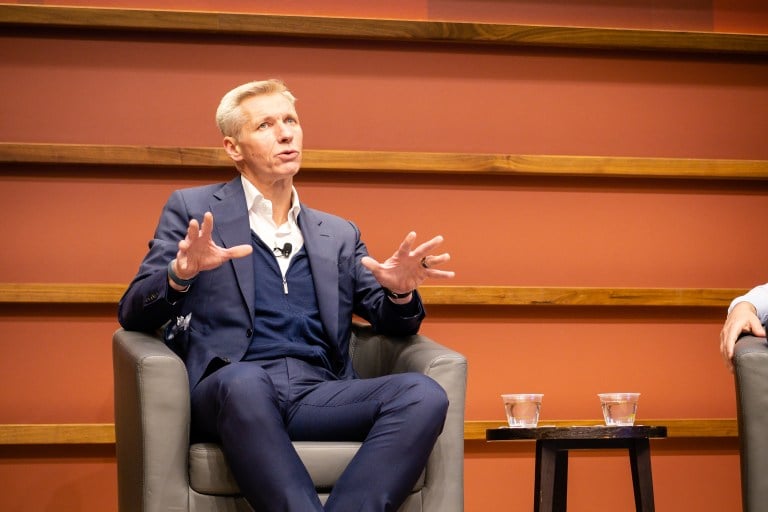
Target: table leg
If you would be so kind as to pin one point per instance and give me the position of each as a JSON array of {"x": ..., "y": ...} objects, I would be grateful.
[
  {"x": 560, "y": 498},
  {"x": 550, "y": 492},
  {"x": 642, "y": 480},
  {"x": 544, "y": 483}
]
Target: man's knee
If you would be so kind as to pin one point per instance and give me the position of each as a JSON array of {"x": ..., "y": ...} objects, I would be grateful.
[
  {"x": 244, "y": 388},
  {"x": 437, "y": 398},
  {"x": 428, "y": 396}
]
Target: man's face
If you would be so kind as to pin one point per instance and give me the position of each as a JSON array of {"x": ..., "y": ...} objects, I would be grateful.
[{"x": 269, "y": 145}]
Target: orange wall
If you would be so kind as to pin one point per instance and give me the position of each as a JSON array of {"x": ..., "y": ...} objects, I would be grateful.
[{"x": 91, "y": 224}]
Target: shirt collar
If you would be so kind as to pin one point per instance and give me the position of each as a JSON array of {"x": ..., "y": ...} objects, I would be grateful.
[{"x": 254, "y": 197}]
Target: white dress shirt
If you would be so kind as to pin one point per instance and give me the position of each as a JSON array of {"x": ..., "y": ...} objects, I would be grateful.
[{"x": 260, "y": 219}]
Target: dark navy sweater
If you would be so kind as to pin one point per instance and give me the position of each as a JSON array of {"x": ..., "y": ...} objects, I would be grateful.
[{"x": 286, "y": 316}]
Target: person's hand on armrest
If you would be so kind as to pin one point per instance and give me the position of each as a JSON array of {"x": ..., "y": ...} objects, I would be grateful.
[{"x": 742, "y": 319}]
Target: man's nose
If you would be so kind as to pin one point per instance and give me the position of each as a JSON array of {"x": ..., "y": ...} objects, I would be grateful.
[{"x": 285, "y": 132}]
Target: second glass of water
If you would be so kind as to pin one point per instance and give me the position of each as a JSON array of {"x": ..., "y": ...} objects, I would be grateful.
[{"x": 522, "y": 409}]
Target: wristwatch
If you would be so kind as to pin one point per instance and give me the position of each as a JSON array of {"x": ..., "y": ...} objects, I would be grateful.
[
  {"x": 394, "y": 295},
  {"x": 176, "y": 279}
]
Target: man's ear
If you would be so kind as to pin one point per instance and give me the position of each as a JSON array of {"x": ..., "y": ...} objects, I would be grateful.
[{"x": 233, "y": 149}]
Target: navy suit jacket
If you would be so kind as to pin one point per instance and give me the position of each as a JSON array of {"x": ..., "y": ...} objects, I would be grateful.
[{"x": 212, "y": 324}]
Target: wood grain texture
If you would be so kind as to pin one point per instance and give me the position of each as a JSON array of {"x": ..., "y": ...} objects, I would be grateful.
[
  {"x": 105, "y": 293},
  {"x": 390, "y": 162},
  {"x": 104, "y": 433},
  {"x": 60, "y": 293},
  {"x": 415, "y": 31},
  {"x": 57, "y": 434}
]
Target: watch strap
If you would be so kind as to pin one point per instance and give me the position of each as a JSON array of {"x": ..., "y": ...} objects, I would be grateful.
[
  {"x": 394, "y": 295},
  {"x": 176, "y": 279}
]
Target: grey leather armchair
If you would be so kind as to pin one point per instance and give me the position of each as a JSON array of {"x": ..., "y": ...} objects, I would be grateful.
[
  {"x": 751, "y": 371},
  {"x": 159, "y": 471}
]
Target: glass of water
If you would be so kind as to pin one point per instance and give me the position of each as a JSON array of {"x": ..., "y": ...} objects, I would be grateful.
[
  {"x": 522, "y": 409},
  {"x": 619, "y": 409}
]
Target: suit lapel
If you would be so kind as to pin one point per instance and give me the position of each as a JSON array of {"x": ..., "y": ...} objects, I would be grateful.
[
  {"x": 230, "y": 218},
  {"x": 232, "y": 228},
  {"x": 323, "y": 260}
]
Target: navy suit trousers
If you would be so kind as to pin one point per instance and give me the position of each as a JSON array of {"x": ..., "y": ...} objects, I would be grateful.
[{"x": 255, "y": 409}]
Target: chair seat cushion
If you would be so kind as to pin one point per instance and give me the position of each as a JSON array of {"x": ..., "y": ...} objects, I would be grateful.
[{"x": 209, "y": 473}]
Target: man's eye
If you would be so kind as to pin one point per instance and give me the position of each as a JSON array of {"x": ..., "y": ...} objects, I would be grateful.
[
  {"x": 263, "y": 126},
  {"x": 291, "y": 120}
]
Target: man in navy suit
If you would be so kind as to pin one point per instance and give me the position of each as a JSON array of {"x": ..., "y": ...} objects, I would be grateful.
[{"x": 259, "y": 305}]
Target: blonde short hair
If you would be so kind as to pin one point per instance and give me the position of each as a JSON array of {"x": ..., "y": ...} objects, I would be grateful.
[{"x": 231, "y": 118}]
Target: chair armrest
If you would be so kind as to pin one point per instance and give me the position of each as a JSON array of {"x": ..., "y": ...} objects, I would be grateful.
[
  {"x": 374, "y": 355},
  {"x": 751, "y": 375},
  {"x": 152, "y": 415}
]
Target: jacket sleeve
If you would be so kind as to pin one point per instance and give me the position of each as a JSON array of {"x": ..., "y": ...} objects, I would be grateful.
[
  {"x": 149, "y": 302},
  {"x": 758, "y": 297},
  {"x": 372, "y": 304}
]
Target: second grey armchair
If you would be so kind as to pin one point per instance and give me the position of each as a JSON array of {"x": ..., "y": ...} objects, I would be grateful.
[
  {"x": 750, "y": 361},
  {"x": 158, "y": 470}
]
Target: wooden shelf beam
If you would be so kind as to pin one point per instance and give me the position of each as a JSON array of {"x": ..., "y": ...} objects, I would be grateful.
[
  {"x": 389, "y": 162},
  {"x": 103, "y": 293},
  {"x": 573, "y": 296},
  {"x": 104, "y": 433},
  {"x": 60, "y": 293},
  {"x": 414, "y": 31},
  {"x": 57, "y": 434}
]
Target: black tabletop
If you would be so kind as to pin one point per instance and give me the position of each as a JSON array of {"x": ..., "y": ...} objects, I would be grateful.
[{"x": 575, "y": 432}]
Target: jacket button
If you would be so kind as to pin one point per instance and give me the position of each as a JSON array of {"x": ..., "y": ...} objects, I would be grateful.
[{"x": 249, "y": 333}]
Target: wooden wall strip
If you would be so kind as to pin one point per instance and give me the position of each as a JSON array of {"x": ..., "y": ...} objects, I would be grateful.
[
  {"x": 60, "y": 293},
  {"x": 378, "y": 29},
  {"x": 568, "y": 296},
  {"x": 391, "y": 162},
  {"x": 104, "y": 433},
  {"x": 100, "y": 293},
  {"x": 82, "y": 433},
  {"x": 89, "y": 154}
]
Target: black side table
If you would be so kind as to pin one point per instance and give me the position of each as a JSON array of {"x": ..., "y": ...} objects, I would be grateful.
[{"x": 553, "y": 443}]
